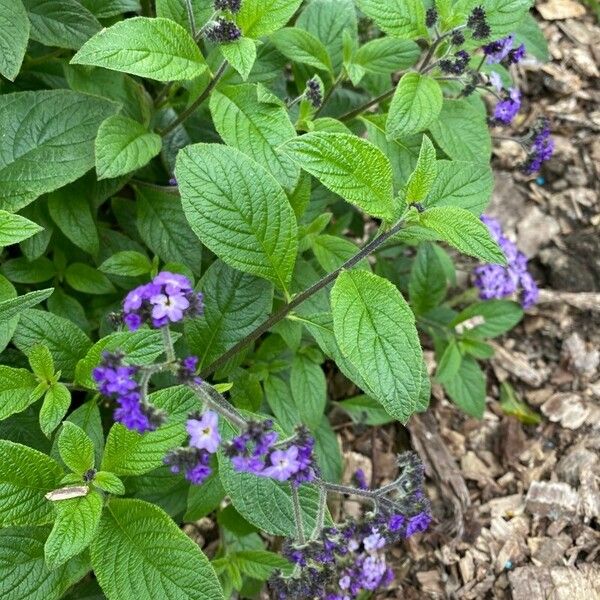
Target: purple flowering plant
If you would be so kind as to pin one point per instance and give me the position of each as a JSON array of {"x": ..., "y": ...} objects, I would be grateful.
[{"x": 208, "y": 212}]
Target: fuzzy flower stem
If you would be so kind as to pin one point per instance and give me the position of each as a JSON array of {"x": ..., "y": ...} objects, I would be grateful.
[
  {"x": 191, "y": 17},
  {"x": 320, "y": 520},
  {"x": 286, "y": 309},
  {"x": 297, "y": 515},
  {"x": 168, "y": 344},
  {"x": 196, "y": 103},
  {"x": 215, "y": 401}
]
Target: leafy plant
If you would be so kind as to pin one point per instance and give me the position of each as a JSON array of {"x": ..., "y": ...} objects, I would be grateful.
[{"x": 199, "y": 201}]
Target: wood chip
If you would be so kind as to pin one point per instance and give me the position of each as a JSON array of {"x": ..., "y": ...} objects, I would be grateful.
[
  {"x": 558, "y": 583},
  {"x": 568, "y": 409},
  {"x": 553, "y": 500},
  {"x": 561, "y": 9}
]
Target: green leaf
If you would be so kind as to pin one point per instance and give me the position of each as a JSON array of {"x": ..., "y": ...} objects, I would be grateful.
[
  {"x": 14, "y": 35},
  {"x": 424, "y": 175},
  {"x": 385, "y": 55},
  {"x": 61, "y": 23},
  {"x": 461, "y": 131},
  {"x": 463, "y": 184},
  {"x": 164, "y": 228},
  {"x": 467, "y": 388},
  {"x": 332, "y": 252},
  {"x": 239, "y": 303},
  {"x": 256, "y": 127},
  {"x": 302, "y": 47},
  {"x": 87, "y": 416},
  {"x": 449, "y": 363},
  {"x": 130, "y": 564},
  {"x": 53, "y": 146},
  {"x": 86, "y": 279},
  {"x": 464, "y": 231},
  {"x": 261, "y": 17},
  {"x": 128, "y": 263},
  {"x": 76, "y": 525},
  {"x": 495, "y": 317},
  {"x": 15, "y": 228},
  {"x": 241, "y": 55},
  {"x": 26, "y": 475},
  {"x": 123, "y": 146},
  {"x": 9, "y": 312},
  {"x": 427, "y": 283},
  {"x": 398, "y": 18},
  {"x": 376, "y": 332},
  {"x": 76, "y": 448},
  {"x": 366, "y": 411},
  {"x": 21, "y": 270},
  {"x": 109, "y": 482},
  {"x": 309, "y": 390},
  {"x": 327, "y": 451},
  {"x": 41, "y": 362},
  {"x": 155, "y": 48},
  {"x": 177, "y": 10},
  {"x": 349, "y": 166},
  {"x": 25, "y": 575},
  {"x": 416, "y": 104},
  {"x": 15, "y": 306},
  {"x": 528, "y": 32},
  {"x": 105, "y": 9},
  {"x": 260, "y": 564},
  {"x": 56, "y": 404},
  {"x": 203, "y": 499},
  {"x": 128, "y": 452},
  {"x": 501, "y": 15},
  {"x": 476, "y": 348},
  {"x": 512, "y": 405},
  {"x": 70, "y": 210},
  {"x": 16, "y": 387},
  {"x": 238, "y": 210}
]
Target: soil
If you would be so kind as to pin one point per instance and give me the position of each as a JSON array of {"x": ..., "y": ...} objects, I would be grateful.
[{"x": 517, "y": 506}]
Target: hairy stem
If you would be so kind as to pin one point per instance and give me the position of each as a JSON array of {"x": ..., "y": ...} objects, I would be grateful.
[
  {"x": 191, "y": 18},
  {"x": 214, "y": 400},
  {"x": 300, "y": 298},
  {"x": 320, "y": 520},
  {"x": 197, "y": 102},
  {"x": 361, "y": 109},
  {"x": 168, "y": 344},
  {"x": 297, "y": 515}
]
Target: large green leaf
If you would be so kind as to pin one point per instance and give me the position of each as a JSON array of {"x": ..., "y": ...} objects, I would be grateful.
[
  {"x": 164, "y": 228},
  {"x": 376, "y": 332},
  {"x": 16, "y": 387},
  {"x": 399, "y": 18},
  {"x": 12, "y": 307},
  {"x": 9, "y": 311},
  {"x": 467, "y": 387},
  {"x": 123, "y": 145},
  {"x": 424, "y": 175},
  {"x": 15, "y": 228},
  {"x": 140, "y": 552},
  {"x": 238, "y": 304},
  {"x": 66, "y": 341},
  {"x": 25, "y": 575},
  {"x": 427, "y": 283},
  {"x": 62, "y": 23},
  {"x": 14, "y": 35},
  {"x": 53, "y": 145},
  {"x": 177, "y": 10},
  {"x": 241, "y": 55},
  {"x": 26, "y": 476},
  {"x": 254, "y": 124},
  {"x": 417, "y": 102},
  {"x": 156, "y": 48},
  {"x": 496, "y": 317},
  {"x": 76, "y": 525},
  {"x": 302, "y": 47},
  {"x": 309, "y": 390},
  {"x": 238, "y": 210},
  {"x": 464, "y": 231},
  {"x": 503, "y": 16},
  {"x": 463, "y": 184},
  {"x": 105, "y": 9},
  {"x": 385, "y": 55},
  {"x": 461, "y": 131},
  {"x": 128, "y": 452},
  {"x": 76, "y": 448},
  {"x": 349, "y": 166},
  {"x": 261, "y": 17}
]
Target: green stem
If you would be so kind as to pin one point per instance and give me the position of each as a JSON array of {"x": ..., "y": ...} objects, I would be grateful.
[
  {"x": 191, "y": 18},
  {"x": 329, "y": 93},
  {"x": 215, "y": 401},
  {"x": 357, "y": 111},
  {"x": 196, "y": 103},
  {"x": 168, "y": 344},
  {"x": 320, "y": 520},
  {"x": 469, "y": 295},
  {"x": 297, "y": 515},
  {"x": 300, "y": 298}
]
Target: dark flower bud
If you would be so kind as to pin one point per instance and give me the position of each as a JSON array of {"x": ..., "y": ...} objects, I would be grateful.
[
  {"x": 230, "y": 5},
  {"x": 476, "y": 17},
  {"x": 313, "y": 92},
  {"x": 446, "y": 66},
  {"x": 223, "y": 31},
  {"x": 482, "y": 31},
  {"x": 457, "y": 38},
  {"x": 431, "y": 17}
]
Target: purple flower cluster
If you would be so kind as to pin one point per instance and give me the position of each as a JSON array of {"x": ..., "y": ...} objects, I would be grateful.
[
  {"x": 506, "y": 110},
  {"x": 118, "y": 381},
  {"x": 348, "y": 560},
  {"x": 313, "y": 92},
  {"x": 223, "y": 31},
  {"x": 458, "y": 65},
  {"x": 497, "y": 281},
  {"x": 502, "y": 51},
  {"x": 256, "y": 451},
  {"x": 186, "y": 372},
  {"x": 540, "y": 148},
  {"x": 168, "y": 298},
  {"x": 230, "y": 5},
  {"x": 204, "y": 441}
]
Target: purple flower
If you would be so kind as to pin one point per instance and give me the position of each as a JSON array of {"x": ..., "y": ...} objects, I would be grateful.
[
  {"x": 516, "y": 55},
  {"x": 171, "y": 307},
  {"x": 186, "y": 372},
  {"x": 497, "y": 281},
  {"x": 396, "y": 522},
  {"x": 193, "y": 462},
  {"x": 541, "y": 147},
  {"x": 418, "y": 524},
  {"x": 204, "y": 432},
  {"x": 283, "y": 464},
  {"x": 223, "y": 31},
  {"x": 496, "y": 81},
  {"x": 198, "y": 474},
  {"x": 174, "y": 282},
  {"x": 374, "y": 541},
  {"x": 360, "y": 479},
  {"x": 498, "y": 50},
  {"x": 506, "y": 110}
]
